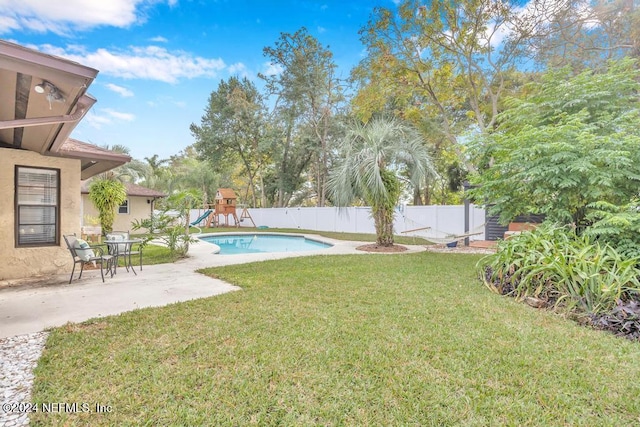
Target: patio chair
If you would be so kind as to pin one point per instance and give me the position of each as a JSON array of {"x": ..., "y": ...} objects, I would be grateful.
[
  {"x": 125, "y": 250},
  {"x": 82, "y": 253}
]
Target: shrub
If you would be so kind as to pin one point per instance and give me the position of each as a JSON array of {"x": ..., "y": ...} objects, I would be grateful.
[
  {"x": 564, "y": 270},
  {"x": 618, "y": 226},
  {"x": 171, "y": 225}
]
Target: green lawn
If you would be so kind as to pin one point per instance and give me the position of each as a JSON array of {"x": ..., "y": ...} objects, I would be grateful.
[
  {"x": 154, "y": 254},
  {"x": 411, "y": 339}
]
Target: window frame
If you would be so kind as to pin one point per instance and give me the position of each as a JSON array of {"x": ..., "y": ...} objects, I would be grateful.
[
  {"x": 124, "y": 204},
  {"x": 18, "y": 205}
]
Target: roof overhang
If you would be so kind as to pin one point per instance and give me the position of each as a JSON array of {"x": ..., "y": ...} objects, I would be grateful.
[
  {"x": 43, "y": 99},
  {"x": 94, "y": 160}
]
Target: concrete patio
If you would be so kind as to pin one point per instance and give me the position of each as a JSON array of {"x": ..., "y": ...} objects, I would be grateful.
[{"x": 34, "y": 305}]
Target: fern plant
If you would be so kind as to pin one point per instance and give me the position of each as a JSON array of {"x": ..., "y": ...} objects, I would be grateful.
[{"x": 106, "y": 195}]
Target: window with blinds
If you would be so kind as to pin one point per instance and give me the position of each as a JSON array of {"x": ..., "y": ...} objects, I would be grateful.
[
  {"x": 124, "y": 207},
  {"x": 37, "y": 206}
]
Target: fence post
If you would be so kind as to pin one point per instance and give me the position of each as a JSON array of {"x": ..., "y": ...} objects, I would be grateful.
[{"x": 466, "y": 186}]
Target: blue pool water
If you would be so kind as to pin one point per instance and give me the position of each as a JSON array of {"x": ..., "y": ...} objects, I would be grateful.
[{"x": 232, "y": 244}]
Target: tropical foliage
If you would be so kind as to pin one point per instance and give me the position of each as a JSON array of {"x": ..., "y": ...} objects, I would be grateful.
[
  {"x": 562, "y": 269},
  {"x": 617, "y": 225},
  {"x": 107, "y": 195},
  {"x": 453, "y": 70},
  {"x": 171, "y": 224},
  {"x": 441, "y": 60},
  {"x": 571, "y": 142},
  {"x": 372, "y": 156}
]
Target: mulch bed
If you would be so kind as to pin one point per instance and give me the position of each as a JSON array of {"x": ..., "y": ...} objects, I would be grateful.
[{"x": 385, "y": 249}]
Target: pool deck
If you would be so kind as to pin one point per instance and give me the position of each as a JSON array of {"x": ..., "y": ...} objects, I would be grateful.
[{"x": 37, "y": 304}]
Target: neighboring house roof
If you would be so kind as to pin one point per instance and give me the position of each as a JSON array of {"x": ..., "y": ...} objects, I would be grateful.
[
  {"x": 225, "y": 193},
  {"x": 132, "y": 190},
  {"x": 43, "y": 99},
  {"x": 94, "y": 159}
]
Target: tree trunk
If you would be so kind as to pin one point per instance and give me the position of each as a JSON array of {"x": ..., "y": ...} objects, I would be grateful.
[
  {"x": 417, "y": 197},
  {"x": 383, "y": 219}
]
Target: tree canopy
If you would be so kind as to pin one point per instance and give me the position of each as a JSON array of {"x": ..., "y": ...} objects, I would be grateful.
[
  {"x": 479, "y": 80},
  {"x": 573, "y": 141}
]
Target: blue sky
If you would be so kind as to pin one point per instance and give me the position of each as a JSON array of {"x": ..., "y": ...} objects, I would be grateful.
[{"x": 160, "y": 59}]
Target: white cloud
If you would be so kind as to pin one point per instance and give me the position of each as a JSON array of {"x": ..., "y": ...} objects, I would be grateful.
[
  {"x": 127, "y": 117},
  {"x": 146, "y": 62},
  {"x": 166, "y": 101},
  {"x": 271, "y": 69},
  {"x": 159, "y": 39},
  {"x": 8, "y": 24},
  {"x": 96, "y": 121},
  {"x": 321, "y": 30},
  {"x": 239, "y": 69},
  {"x": 122, "y": 91},
  {"x": 62, "y": 16},
  {"x": 106, "y": 116}
]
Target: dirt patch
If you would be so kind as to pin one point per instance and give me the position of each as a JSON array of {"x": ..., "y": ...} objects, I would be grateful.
[{"x": 383, "y": 249}]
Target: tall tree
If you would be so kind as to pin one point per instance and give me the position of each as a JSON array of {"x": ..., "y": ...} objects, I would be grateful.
[
  {"x": 372, "y": 156},
  {"x": 196, "y": 174},
  {"x": 291, "y": 153},
  {"x": 581, "y": 33},
  {"x": 453, "y": 59},
  {"x": 573, "y": 141},
  {"x": 232, "y": 129},
  {"x": 308, "y": 94},
  {"x": 129, "y": 172}
]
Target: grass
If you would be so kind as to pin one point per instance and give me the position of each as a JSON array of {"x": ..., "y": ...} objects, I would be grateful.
[
  {"x": 411, "y": 339},
  {"x": 154, "y": 254}
]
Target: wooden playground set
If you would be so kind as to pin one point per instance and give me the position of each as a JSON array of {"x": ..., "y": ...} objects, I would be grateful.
[{"x": 225, "y": 206}]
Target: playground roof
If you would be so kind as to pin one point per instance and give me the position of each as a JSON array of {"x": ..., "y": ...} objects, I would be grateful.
[{"x": 225, "y": 193}]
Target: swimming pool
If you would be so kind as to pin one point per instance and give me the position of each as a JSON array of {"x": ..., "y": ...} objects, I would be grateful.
[{"x": 254, "y": 243}]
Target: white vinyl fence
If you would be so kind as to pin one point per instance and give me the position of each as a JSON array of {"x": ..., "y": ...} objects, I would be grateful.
[{"x": 438, "y": 222}]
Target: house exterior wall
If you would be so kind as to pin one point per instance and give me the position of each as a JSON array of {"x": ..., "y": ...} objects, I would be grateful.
[
  {"x": 138, "y": 209},
  {"x": 19, "y": 263}
]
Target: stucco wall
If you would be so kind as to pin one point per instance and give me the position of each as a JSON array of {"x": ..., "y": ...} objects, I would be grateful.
[
  {"x": 29, "y": 262},
  {"x": 138, "y": 209}
]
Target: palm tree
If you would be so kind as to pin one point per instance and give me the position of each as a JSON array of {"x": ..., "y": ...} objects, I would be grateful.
[
  {"x": 129, "y": 172},
  {"x": 156, "y": 174},
  {"x": 372, "y": 155}
]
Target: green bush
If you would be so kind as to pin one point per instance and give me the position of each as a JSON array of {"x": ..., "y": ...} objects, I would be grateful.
[
  {"x": 171, "y": 225},
  {"x": 564, "y": 270},
  {"x": 618, "y": 226}
]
